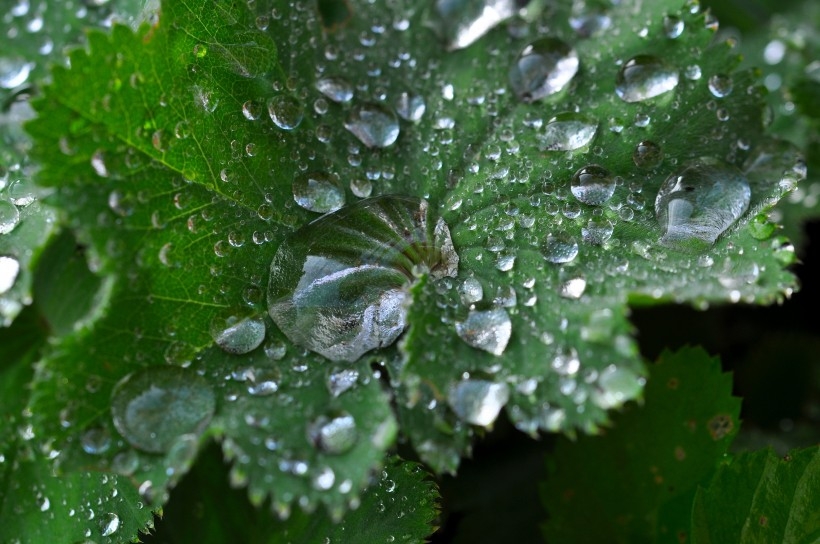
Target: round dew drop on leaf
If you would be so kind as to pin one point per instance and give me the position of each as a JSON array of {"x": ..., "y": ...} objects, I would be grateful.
[
  {"x": 333, "y": 435},
  {"x": 373, "y": 124},
  {"x": 544, "y": 67},
  {"x": 152, "y": 407},
  {"x": 318, "y": 192},
  {"x": 9, "y": 268},
  {"x": 698, "y": 202},
  {"x": 643, "y": 77},
  {"x": 335, "y": 88},
  {"x": 478, "y": 402},
  {"x": 592, "y": 185},
  {"x": 285, "y": 112},
  {"x": 488, "y": 330},
  {"x": 559, "y": 248},
  {"x": 238, "y": 335},
  {"x": 567, "y": 131},
  {"x": 9, "y": 216}
]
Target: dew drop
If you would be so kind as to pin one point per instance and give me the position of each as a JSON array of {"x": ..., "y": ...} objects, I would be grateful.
[
  {"x": 460, "y": 23},
  {"x": 333, "y": 435},
  {"x": 673, "y": 26},
  {"x": 647, "y": 155},
  {"x": 544, "y": 67},
  {"x": 285, "y": 112},
  {"x": 14, "y": 72},
  {"x": 410, "y": 107},
  {"x": 559, "y": 248},
  {"x": 21, "y": 192},
  {"x": 341, "y": 380},
  {"x": 339, "y": 286},
  {"x": 9, "y": 268},
  {"x": 236, "y": 334},
  {"x": 643, "y": 77},
  {"x": 697, "y": 203},
  {"x": 318, "y": 192},
  {"x": 252, "y": 110},
  {"x": 335, "y": 88},
  {"x": 373, "y": 124},
  {"x": 592, "y": 185},
  {"x": 598, "y": 231},
  {"x": 109, "y": 524},
  {"x": 720, "y": 85},
  {"x": 567, "y": 131},
  {"x": 616, "y": 386},
  {"x": 152, "y": 407},
  {"x": 96, "y": 440},
  {"x": 488, "y": 330},
  {"x": 478, "y": 402},
  {"x": 9, "y": 216},
  {"x": 471, "y": 291},
  {"x": 573, "y": 288}
]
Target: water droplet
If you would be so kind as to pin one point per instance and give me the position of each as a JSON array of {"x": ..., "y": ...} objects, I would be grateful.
[
  {"x": 573, "y": 288},
  {"x": 410, "y": 107},
  {"x": 126, "y": 462},
  {"x": 109, "y": 524},
  {"x": 335, "y": 88},
  {"x": 334, "y": 435},
  {"x": 643, "y": 77},
  {"x": 647, "y": 155},
  {"x": 489, "y": 330},
  {"x": 589, "y": 20},
  {"x": 264, "y": 382},
  {"x": 9, "y": 268},
  {"x": 252, "y": 110},
  {"x": 697, "y": 203},
  {"x": 559, "y": 248},
  {"x": 237, "y": 334},
  {"x": 544, "y": 67},
  {"x": 673, "y": 26},
  {"x": 617, "y": 385},
  {"x": 14, "y": 72},
  {"x": 373, "y": 124},
  {"x": 318, "y": 192},
  {"x": 592, "y": 185},
  {"x": 21, "y": 192},
  {"x": 460, "y": 23},
  {"x": 339, "y": 285},
  {"x": 152, "y": 407},
  {"x": 567, "y": 131},
  {"x": 598, "y": 231},
  {"x": 9, "y": 216},
  {"x": 720, "y": 85},
  {"x": 478, "y": 401},
  {"x": 471, "y": 291},
  {"x": 96, "y": 440},
  {"x": 285, "y": 112},
  {"x": 340, "y": 380},
  {"x": 325, "y": 479}
]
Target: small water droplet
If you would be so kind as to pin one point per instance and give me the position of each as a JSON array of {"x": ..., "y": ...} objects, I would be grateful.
[
  {"x": 488, "y": 330},
  {"x": 340, "y": 380},
  {"x": 325, "y": 479},
  {"x": 543, "y": 67},
  {"x": 720, "y": 85},
  {"x": 573, "y": 288},
  {"x": 697, "y": 203},
  {"x": 335, "y": 88},
  {"x": 673, "y": 26},
  {"x": 617, "y": 385},
  {"x": 647, "y": 155},
  {"x": 237, "y": 334},
  {"x": 109, "y": 524},
  {"x": 252, "y": 110},
  {"x": 318, "y": 192},
  {"x": 567, "y": 131},
  {"x": 643, "y": 77},
  {"x": 96, "y": 440},
  {"x": 559, "y": 248},
  {"x": 334, "y": 435},
  {"x": 9, "y": 268},
  {"x": 339, "y": 286},
  {"x": 410, "y": 106},
  {"x": 471, "y": 291},
  {"x": 14, "y": 72},
  {"x": 592, "y": 185},
  {"x": 9, "y": 216},
  {"x": 459, "y": 23},
  {"x": 21, "y": 192},
  {"x": 373, "y": 124},
  {"x": 286, "y": 112},
  {"x": 478, "y": 402},
  {"x": 152, "y": 407}
]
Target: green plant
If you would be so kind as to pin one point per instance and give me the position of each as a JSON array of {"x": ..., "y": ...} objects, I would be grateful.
[{"x": 501, "y": 183}]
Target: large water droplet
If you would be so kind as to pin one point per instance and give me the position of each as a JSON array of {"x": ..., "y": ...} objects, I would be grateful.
[
  {"x": 544, "y": 67},
  {"x": 335, "y": 88},
  {"x": 286, "y": 112},
  {"x": 478, "y": 401},
  {"x": 559, "y": 248},
  {"x": 461, "y": 22},
  {"x": 697, "y": 203},
  {"x": 593, "y": 185},
  {"x": 373, "y": 124},
  {"x": 9, "y": 216},
  {"x": 334, "y": 435},
  {"x": 339, "y": 286},
  {"x": 643, "y": 77},
  {"x": 489, "y": 330},
  {"x": 567, "y": 131},
  {"x": 237, "y": 334},
  {"x": 109, "y": 524},
  {"x": 14, "y": 72},
  {"x": 152, "y": 407},
  {"x": 318, "y": 192},
  {"x": 9, "y": 268}
]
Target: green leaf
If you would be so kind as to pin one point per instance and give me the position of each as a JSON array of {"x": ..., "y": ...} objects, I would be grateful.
[
  {"x": 638, "y": 480},
  {"x": 35, "y": 505},
  {"x": 760, "y": 497},
  {"x": 401, "y": 502},
  {"x": 163, "y": 162}
]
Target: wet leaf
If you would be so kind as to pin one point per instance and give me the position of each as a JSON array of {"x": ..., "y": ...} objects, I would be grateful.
[{"x": 638, "y": 479}]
